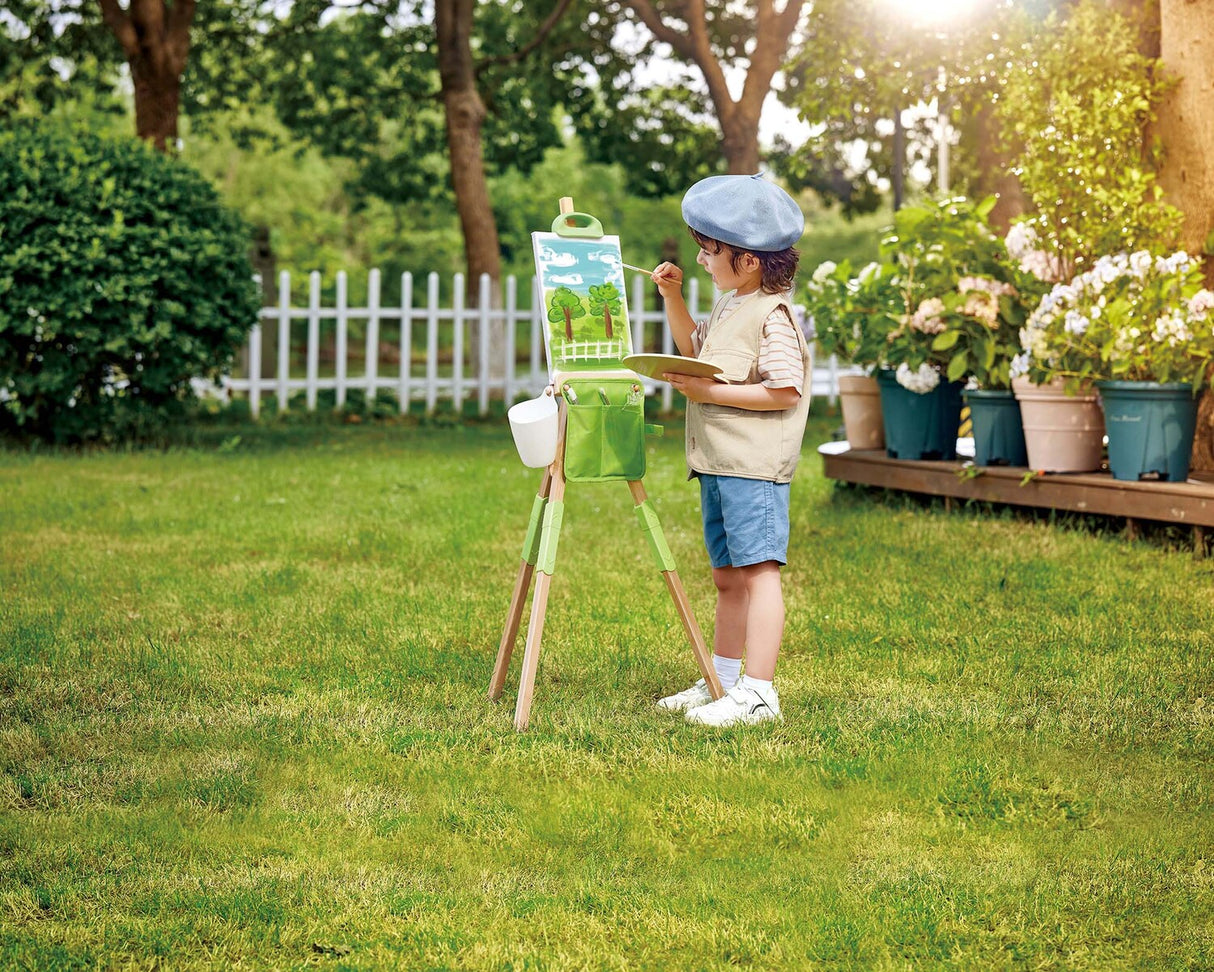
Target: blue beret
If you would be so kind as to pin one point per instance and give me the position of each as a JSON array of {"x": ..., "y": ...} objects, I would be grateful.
[{"x": 744, "y": 211}]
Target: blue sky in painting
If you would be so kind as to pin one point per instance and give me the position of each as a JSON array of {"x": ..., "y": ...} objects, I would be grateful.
[{"x": 578, "y": 264}]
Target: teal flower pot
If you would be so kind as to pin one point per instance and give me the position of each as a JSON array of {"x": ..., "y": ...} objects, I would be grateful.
[
  {"x": 998, "y": 430},
  {"x": 1150, "y": 426},
  {"x": 919, "y": 426}
]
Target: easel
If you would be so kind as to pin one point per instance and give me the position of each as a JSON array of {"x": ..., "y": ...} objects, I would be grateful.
[{"x": 539, "y": 551}]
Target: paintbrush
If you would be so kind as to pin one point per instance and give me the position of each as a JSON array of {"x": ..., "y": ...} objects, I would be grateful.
[{"x": 629, "y": 266}]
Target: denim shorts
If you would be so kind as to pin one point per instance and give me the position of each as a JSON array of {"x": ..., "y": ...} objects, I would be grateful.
[{"x": 745, "y": 520}]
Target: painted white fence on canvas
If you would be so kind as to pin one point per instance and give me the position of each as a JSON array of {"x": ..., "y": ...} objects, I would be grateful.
[{"x": 457, "y": 327}]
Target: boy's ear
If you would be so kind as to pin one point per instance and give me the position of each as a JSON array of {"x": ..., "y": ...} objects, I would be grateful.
[{"x": 750, "y": 262}]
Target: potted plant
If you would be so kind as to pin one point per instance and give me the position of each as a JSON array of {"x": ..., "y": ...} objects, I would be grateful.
[
  {"x": 1141, "y": 329},
  {"x": 963, "y": 304},
  {"x": 852, "y": 315},
  {"x": 1075, "y": 109}
]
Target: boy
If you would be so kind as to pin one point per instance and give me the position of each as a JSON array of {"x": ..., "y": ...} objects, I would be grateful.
[{"x": 743, "y": 435}]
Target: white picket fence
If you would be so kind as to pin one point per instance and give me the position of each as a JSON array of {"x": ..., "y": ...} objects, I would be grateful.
[{"x": 457, "y": 327}]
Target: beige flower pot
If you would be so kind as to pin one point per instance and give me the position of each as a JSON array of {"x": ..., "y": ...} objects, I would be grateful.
[
  {"x": 1063, "y": 433},
  {"x": 861, "y": 401}
]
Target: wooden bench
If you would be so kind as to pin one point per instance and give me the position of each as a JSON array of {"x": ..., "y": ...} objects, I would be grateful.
[{"x": 1190, "y": 503}]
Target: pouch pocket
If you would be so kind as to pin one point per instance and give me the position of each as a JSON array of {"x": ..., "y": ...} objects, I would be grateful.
[
  {"x": 605, "y": 431},
  {"x": 735, "y": 365}
]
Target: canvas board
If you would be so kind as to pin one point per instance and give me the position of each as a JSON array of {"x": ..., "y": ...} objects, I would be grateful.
[{"x": 586, "y": 326}]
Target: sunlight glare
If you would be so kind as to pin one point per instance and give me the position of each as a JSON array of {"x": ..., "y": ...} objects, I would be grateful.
[{"x": 934, "y": 13}]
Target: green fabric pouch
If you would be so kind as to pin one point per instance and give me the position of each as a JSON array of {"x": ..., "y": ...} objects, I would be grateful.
[{"x": 605, "y": 430}]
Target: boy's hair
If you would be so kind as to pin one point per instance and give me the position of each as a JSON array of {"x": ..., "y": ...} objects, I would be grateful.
[{"x": 778, "y": 267}]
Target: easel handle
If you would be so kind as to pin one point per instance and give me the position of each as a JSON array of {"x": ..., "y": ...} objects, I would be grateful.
[{"x": 576, "y": 225}]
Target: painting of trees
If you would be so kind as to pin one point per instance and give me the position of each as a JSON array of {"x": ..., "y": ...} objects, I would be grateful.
[
  {"x": 565, "y": 306},
  {"x": 605, "y": 301}
]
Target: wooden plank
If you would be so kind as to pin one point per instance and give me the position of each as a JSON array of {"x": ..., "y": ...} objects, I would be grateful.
[
  {"x": 342, "y": 351},
  {"x": 371, "y": 343},
  {"x": 313, "y": 350},
  {"x": 404, "y": 392},
  {"x": 508, "y": 387},
  {"x": 483, "y": 324},
  {"x": 284, "y": 338},
  {"x": 1190, "y": 502},
  {"x": 457, "y": 345},
  {"x": 255, "y": 370},
  {"x": 431, "y": 342}
]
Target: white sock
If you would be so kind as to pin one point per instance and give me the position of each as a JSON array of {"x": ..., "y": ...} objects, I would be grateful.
[
  {"x": 757, "y": 684},
  {"x": 728, "y": 670}
]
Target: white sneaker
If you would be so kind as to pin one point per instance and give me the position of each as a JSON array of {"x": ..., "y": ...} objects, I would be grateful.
[
  {"x": 738, "y": 706},
  {"x": 690, "y": 698}
]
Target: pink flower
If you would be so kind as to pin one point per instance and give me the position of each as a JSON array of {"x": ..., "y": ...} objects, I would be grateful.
[
  {"x": 927, "y": 318},
  {"x": 1201, "y": 302}
]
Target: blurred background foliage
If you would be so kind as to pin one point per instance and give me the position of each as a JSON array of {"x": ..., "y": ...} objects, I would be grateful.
[{"x": 325, "y": 124}]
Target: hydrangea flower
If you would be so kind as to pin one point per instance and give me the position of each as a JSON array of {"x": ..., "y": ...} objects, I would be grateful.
[
  {"x": 920, "y": 381},
  {"x": 1131, "y": 316}
]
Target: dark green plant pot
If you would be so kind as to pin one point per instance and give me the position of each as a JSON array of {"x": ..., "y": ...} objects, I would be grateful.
[
  {"x": 919, "y": 426},
  {"x": 998, "y": 431},
  {"x": 1150, "y": 426}
]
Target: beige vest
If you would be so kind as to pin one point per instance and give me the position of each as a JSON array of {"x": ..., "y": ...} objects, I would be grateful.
[{"x": 742, "y": 442}]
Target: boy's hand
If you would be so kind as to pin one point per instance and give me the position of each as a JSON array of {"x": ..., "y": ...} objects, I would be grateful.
[
  {"x": 696, "y": 389},
  {"x": 669, "y": 279}
]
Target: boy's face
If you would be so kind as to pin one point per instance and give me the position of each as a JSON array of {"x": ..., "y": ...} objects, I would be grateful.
[{"x": 717, "y": 261}]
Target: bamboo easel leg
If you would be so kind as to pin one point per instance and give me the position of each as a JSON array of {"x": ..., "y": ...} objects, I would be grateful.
[
  {"x": 546, "y": 565},
  {"x": 661, "y": 552},
  {"x": 522, "y": 584}
]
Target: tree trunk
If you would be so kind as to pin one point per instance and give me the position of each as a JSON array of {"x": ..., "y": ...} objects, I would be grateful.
[
  {"x": 1185, "y": 126},
  {"x": 740, "y": 139},
  {"x": 155, "y": 38},
  {"x": 156, "y": 105},
  {"x": 995, "y": 173},
  {"x": 739, "y": 119},
  {"x": 465, "y": 114}
]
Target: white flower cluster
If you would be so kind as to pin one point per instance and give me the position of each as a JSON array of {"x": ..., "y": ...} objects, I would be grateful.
[
  {"x": 824, "y": 270},
  {"x": 996, "y": 288},
  {"x": 1132, "y": 278},
  {"x": 1173, "y": 329},
  {"x": 921, "y": 381},
  {"x": 1021, "y": 242},
  {"x": 927, "y": 318}
]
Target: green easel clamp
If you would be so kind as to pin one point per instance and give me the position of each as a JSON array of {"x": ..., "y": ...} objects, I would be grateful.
[
  {"x": 531, "y": 543},
  {"x": 652, "y": 529},
  {"x": 553, "y": 516}
]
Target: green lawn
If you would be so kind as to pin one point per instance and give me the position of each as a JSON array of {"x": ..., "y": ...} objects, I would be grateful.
[{"x": 243, "y": 721}]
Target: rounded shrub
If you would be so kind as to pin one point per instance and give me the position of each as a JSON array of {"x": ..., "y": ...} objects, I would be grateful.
[{"x": 122, "y": 277}]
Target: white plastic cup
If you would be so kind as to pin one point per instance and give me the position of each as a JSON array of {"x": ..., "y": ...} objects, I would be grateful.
[{"x": 534, "y": 427}]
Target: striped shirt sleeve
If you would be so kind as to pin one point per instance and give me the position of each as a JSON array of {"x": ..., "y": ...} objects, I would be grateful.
[
  {"x": 697, "y": 337},
  {"x": 780, "y": 361}
]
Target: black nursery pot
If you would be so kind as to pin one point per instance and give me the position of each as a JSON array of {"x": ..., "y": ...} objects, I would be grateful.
[
  {"x": 920, "y": 426},
  {"x": 998, "y": 430}
]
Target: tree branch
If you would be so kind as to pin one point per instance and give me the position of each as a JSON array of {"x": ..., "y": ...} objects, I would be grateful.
[
  {"x": 541, "y": 32},
  {"x": 668, "y": 35},
  {"x": 120, "y": 25}
]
